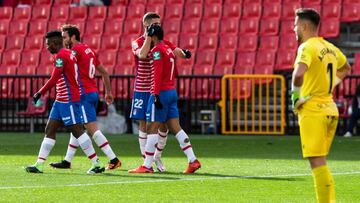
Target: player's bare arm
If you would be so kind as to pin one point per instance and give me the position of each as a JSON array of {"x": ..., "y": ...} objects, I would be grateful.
[
  {"x": 106, "y": 79},
  {"x": 144, "y": 50},
  {"x": 342, "y": 73}
]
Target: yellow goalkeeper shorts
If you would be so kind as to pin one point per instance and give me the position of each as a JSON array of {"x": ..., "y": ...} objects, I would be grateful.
[{"x": 317, "y": 134}]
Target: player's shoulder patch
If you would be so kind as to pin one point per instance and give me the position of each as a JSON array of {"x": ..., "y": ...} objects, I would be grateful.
[
  {"x": 59, "y": 62},
  {"x": 134, "y": 45},
  {"x": 73, "y": 52},
  {"x": 156, "y": 55}
]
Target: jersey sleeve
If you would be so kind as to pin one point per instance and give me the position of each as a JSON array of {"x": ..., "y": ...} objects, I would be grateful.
[
  {"x": 55, "y": 76},
  {"x": 304, "y": 55},
  {"x": 158, "y": 69},
  {"x": 171, "y": 45},
  {"x": 341, "y": 58}
]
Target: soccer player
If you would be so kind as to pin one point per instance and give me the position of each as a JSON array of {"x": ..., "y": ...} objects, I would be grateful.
[
  {"x": 162, "y": 104},
  {"x": 66, "y": 109},
  {"x": 319, "y": 67},
  {"x": 143, "y": 61},
  {"x": 88, "y": 63}
]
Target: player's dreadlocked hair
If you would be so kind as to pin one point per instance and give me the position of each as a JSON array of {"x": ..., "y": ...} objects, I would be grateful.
[
  {"x": 150, "y": 15},
  {"x": 71, "y": 30},
  {"x": 55, "y": 35},
  {"x": 309, "y": 14}
]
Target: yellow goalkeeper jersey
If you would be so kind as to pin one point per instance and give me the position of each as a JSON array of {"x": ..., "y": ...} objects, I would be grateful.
[{"x": 322, "y": 59}]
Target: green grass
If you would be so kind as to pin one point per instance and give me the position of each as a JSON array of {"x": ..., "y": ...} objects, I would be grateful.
[{"x": 234, "y": 169}]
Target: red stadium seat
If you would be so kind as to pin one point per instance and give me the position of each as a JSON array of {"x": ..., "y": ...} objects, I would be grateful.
[
  {"x": 60, "y": 13},
  {"x": 233, "y": 2},
  {"x": 4, "y": 27},
  {"x": 351, "y": 1},
  {"x": 156, "y": 2},
  {"x": 15, "y": 43},
  {"x": 6, "y": 13},
  {"x": 249, "y": 26},
  {"x": 110, "y": 43},
  {"x": 93, "y": 41},
  {"x": 43, "y": 2},
  {"x": 173, "y": 38},
  {"x": 97, "y": 13},
  {"x": 46, "y": 65},
  {"x": 125, "y": 63},
  {"x": 225, "y": 59},
  {"x": 317, "y": 2},
  {"x": 55, "y": 25},
  {"x": 272, "y": 1},
  {"x": 213, "y": 1},
  {"x": 117, "y": 12},
  {"x": 205, "y": 61},
  {"x": 190, "y": 26},
  {"x": 169, "y": 2},
  {"x": 285, "y": 60},
  {"x": 41, "y": 12},
  {"x": 229, "y": 26},
  {"x": 228, "y": 42},
  {"x": 22, "y": 13},
  {"x": 269, "y": 43},
  {"x": 38, "y": 28},
  {"x": 248, "y": 43},
  {"x": 210, "y": 26},
  {"x": 265, "y": 62},
  {"x": 18, "y": 28},
  {"x": 29, "y": 62},
  {"x": 78, "y": 13},
  {"x": 136, "y": 2},
  {"x": 291, "y": 1},
  {"x": 245, "y": 62},
  {"x": 2, "y": 44},
  {"x": 350, "y": 12},
  {"x": 193, "y": 11},
  {"x": 356, "y": 66},
  {"x": 213, "y": 10},
  {"x": 271, "y": 10},
  {"x": 324, "y": 2},
  {"x": 287, "y": 27},
  {"x": 232, "y": 10},
  {"x": 35, "y": 43},
  {"x": 185, "y": 67},
  {"x": 288, "y": 10},
  {"x": 331, "y": 11},
  {"x": 189, "y": 41},
  {"x": 288, "y": 42},
  {"x": 245, "y": 2},
  {"x": 135, "y": 12},
  {"x": 108, "y": 58},
  {"x": 11, "y": 58},
  {"x": 208, "y": 42},
  {"x": 126, "y": 41},
  {"x": 6, "y": 90},
  {"x": 80, "y": 24},
  {"x": 133, "y": 27},
  {"x": 252, "y": 10},
  {"x": 171, "y": 26},
  {"x": 329, "y": 28},
  {"x": 269, "y": 27},
  {"x": 157, "y": 8},
  {"x": 174, "y": 11},
  {"x": 94, "y": 28},
  {"x": 119, "y": 2},
  {"x": 113, "y": 27},
  {"x": 62, "y": 2},
  {"x": 316, "y": 7}
]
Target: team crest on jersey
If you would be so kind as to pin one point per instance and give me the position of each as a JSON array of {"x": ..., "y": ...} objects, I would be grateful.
[
  {"x": 59, "y": 63},
  {"x": 134, "y": 45},
  {"x": 73, "y": 52},
  {"x": 156, "y": 55}
]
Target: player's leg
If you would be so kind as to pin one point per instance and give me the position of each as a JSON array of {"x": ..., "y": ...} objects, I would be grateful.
[
  {"x": 316, "y": 134},
  {"x": 163, "y": 132},
  {"x": 142, "y": 137},
  {"x": 353, "y": 121}
]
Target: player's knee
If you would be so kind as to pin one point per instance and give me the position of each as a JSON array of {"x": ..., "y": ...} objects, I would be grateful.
[
  {"x": 77, "y": 130},
  {"x": 50, "y": 132}
]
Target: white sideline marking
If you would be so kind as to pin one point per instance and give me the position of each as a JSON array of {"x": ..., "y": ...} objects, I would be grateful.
[{"x": 168, "y": 180}]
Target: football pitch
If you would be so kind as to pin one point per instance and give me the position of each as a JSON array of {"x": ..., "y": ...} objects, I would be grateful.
[{"x": 234, "y": 169}]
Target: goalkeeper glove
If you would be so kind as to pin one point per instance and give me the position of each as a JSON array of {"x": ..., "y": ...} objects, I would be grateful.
[
  {"x": 36, "y": 97},
  {"x": 157, "y": 102},
  {"x": 187, "y": 53},
  {"x": 297, "y": 101}
]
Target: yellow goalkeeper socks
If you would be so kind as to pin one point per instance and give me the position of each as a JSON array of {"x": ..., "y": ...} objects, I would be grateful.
[{"x": 324, "y": 184}]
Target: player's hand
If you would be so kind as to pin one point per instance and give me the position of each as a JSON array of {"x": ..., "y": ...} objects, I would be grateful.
[
  {"x": 187, "y": 53},
  {"x": 297, "y": 101},
  {"x": 150, "y": 30},
  {"x": 157, "y": 102},
  {"x": 36, "y": 97},
  {"x": 109, "y": 99}
]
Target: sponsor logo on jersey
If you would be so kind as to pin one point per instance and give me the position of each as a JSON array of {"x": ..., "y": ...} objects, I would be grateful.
[
  {"x": 59, "y": 63},
  {"x": 156, "y": 55}
]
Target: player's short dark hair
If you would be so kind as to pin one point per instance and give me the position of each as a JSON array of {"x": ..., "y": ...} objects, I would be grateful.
[
  {"x": 71, "y": 30},
  {"x": 308, "y": 14},
  {"x": 159, "y": 32},
  {"x": 53, "y": 33},
  {"x": 149, "y": 16}
]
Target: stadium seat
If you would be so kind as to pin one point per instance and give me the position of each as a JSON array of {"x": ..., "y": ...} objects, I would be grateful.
[
  {"x": 272, "y": 1},
  {"x": 185, "y": 67},
  {"x": 125, "y": 63},
  {"x": 228, "y": 42},
  {"x": 232, "y": 10},
  {"x": 329, "y": 28},
  {"x": 43, "y": 2},
  {"x": 285, "y": 60},
  {"x": 171, "y": 26},
  {"x": 110, "y": 43},
  {"x": 225, "y": 61},
  {"x": 316, "y": 2},
  {"x": 229, "y": 26},
  {"x": 11, "y": 58},
  {"x": 245, "y": 62},
  {"x": 287, "y": 27},
  {"x": 356, "y": 66},
  {"x": 62, "y": 2},
  {"x": 208, "y": 42},
  {"x": 2, "y": 44},
  {"x": 210, "y": 26},
  {"x": 249, "y": 26},
  {"x": 245, "y": 2},
  {"x": 291, "y": 1},
  {"x": 189, "y": 41},
  {"x": 113, "y": 27},
  {"x": 288, "y": 10},
  {"x": 55, "y": 25},
  {"x": 78, "y": 13},
  {"x": 18, "y": 28},
  {"x": 213, "y": 10},
  {"x": 126, "y": 41},
  {"x": 6, "y": 90},
  {"x": 190, "y": 26},
  {"x": 15, "y": 43},
  {"x": 6, "y": 13},
  {"x": 94, "y": 28},
  {"x": 29, "y": 62},
  {"x": 174, "y": 11},
  {"x": 202, "y": 87},
  {"x": 98, "y": 13},
  {"x": 193, "y": 11},
  {"x": 288, "y": 42},
  {"x": 350, "y": 12},
  {"x": 133, "y": 27},
  {"x": 46, "y": 63},
  {"x": 80, "y": 24},
  {"x": 136, "y": 2},
  {"x": 205, "y": 61},
  {"x": 324, "y": 2},
  {"x": 135, "y": 12},
  {"x": 158, "y": 8},
  {"x": 162, "y": 2},
  {"x": 117, "y": 12},
  {"x": 38, "y": 27},
  {"x": 269, "y": 26},
  {"x": 60, "y": 13},
  {"x": 271, "y": 10},
  {"x": 331, "y": 11},
  {"x": 119, "y": 2},
  {"x": 4, "y": 27},
  {"x": 22, "y": 13},
  {"x": 108, "y": 59},
  {"x": 269, "y": 43},
  {"x": 252, "y": 10},
  {"x": 93, "y": 41},
  {"x": 265, "y": 62},
  {"x": 173, "y": 38},
  {"x": 34, "y": 43},
  {"x": 169, "y": 2},
  {"x": 233, "y": 2},
  {"x": 41, "y": 12},
  {"x": 316, "y": 7},
  {"x": 247, "y": 43}
]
